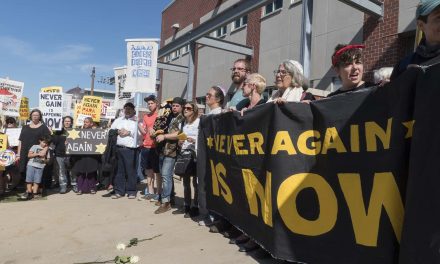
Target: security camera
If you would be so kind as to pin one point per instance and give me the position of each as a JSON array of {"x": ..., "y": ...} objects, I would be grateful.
[{"x": 176, "y": 26}]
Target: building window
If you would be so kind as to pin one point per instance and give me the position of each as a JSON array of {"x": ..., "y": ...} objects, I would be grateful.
[
  {"x": 272, "y": 7},
  {"x": 185, "y": 49},
  {"x": 177, "y": 53},
  {"x": 241, "y": 22},
  {"x": 220, "y": 32}
]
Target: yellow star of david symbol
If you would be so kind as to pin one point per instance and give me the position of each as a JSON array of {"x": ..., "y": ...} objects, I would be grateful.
[
  {"x": 73, "y": 134},
  {"x": 410, "y": 126},
  {"x": 209, "y": 142},
  {"x": 100, "y": 148}
]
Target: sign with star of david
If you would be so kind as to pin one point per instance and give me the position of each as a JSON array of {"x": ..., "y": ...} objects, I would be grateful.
[{"x": 86, "y": 141}]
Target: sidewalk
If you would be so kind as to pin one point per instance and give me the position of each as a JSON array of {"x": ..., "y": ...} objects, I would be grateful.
[{"x": 74, "y": 228}]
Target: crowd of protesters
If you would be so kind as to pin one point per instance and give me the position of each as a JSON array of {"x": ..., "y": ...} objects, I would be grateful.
[{"x": 170, "y": 130}]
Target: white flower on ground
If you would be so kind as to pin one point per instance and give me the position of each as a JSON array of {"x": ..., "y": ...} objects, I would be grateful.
[
  {"x": 134, "y": 259},
  {"x": 120, "y": 246}
]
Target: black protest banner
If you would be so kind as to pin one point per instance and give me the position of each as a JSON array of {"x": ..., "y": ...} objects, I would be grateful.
[
  {"x": 86, "y": 141},
  {"x": 421, "y": 230},
  {"x": 318, "y": 183}
]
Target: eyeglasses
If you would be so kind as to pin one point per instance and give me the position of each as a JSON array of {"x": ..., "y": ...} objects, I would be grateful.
[
  {"x": 281, "y": 72},
  {"x": 238, "y": 69},
  {"x": 209, "y": 95},
  {"x": 188, "y": 108}
]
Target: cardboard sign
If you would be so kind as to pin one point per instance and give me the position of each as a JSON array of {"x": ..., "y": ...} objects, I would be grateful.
[
  {"x": 24, "y": 108},
  {"x": 91, "y": 106},
  {"x": 104, "y": 107},
  {"x": 86, "y": 141},
  {"x": 3, "y": 142},
  {"x": 13, "y": 136},
  {"x": 51, "y": 105},
  {"x": 76, "y": 112},
  {"x": 80, "y": 119},
  {"x": 111, "y": 113},
  {"x": 10, "y": 97},
  {"x": 52, "y": 89}
]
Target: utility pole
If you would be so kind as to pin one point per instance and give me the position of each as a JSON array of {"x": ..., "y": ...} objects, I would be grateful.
[{"x": 92, "y": 86}]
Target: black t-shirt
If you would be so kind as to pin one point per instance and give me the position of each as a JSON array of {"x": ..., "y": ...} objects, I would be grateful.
[
  {"x": 339, "y": 91},
  {"x": 29, "y": 137},
  {"x": 59, "y": 140}
]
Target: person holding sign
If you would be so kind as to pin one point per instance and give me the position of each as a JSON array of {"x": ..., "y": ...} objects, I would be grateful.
[
  {"x": 127, "y": 153},
  {"x": 11, "y": 122},
  {"x": 86, "y": 167},
  {"x": 28, "y": 137},
  {"x": 168, "y": 154},
  {"x": 59, "y": 140},
  {"x": 291, "y": 83},
  {"x": 347, "y": 62},
  {"x": 427, "y": 18},
  {"x": 35, "y": 166}
]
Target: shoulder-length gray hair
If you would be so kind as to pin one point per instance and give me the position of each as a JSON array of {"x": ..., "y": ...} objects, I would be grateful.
[{"x": 295, "y": 69}]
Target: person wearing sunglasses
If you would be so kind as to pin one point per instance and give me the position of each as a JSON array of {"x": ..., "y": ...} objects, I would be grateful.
[
  {"x": 253, "y": 89},
  {"x": 191, "y": 130},
  {"x": 168, "y": 155},
  {"x": 215, "y": 99},
  {"x": 291, "y": 84}
]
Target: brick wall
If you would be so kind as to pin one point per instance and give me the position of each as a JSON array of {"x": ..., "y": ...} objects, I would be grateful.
[
  {"x": 185, "y": 12},
  {"x": 253, "y": 36},
  {"x": 381, "y": 39}
]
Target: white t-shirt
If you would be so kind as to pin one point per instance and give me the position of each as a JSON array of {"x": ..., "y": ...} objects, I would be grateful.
[{"x": 191, "y": 131}]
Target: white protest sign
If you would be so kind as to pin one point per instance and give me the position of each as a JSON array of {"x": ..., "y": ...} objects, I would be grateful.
[
  {"x": 13, "y": 135},
  {"x": 51, "y": 105},
  {"x": 111, "y": 113},
  {"x": 80, "y": 119},
  {"x": 10, "y": 97},
  {"x": 141, "y": 65}
]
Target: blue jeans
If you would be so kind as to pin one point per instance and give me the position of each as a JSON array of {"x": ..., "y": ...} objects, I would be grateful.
[
  {"x": 33, "y": 174},
  {"x": 62, "y": 172},
  {"x": 166, "y": 166}
]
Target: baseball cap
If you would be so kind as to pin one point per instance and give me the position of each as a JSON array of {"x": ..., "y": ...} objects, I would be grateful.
[
  {"x": 151, "y": 97},
  {"x": 425, "y": 7},
  {"x": 178, "y": 100}
]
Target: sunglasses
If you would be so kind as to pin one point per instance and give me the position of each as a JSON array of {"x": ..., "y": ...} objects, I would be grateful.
[{"x": 187, "y": 108}]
